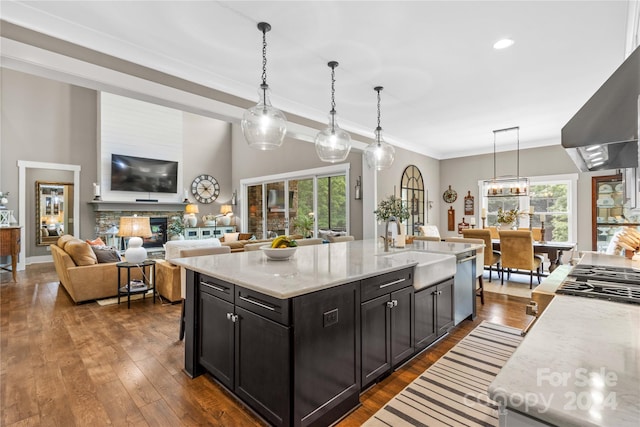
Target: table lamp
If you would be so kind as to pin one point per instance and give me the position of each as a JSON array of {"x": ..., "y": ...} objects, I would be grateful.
[
  {"x": 191, "y": 210},
  {"x": 227, "y": 212},
  {"x": 135, "y": 227}
]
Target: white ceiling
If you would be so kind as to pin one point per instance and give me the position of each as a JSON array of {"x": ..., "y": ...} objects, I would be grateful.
[{"x": 446, "y": 88}]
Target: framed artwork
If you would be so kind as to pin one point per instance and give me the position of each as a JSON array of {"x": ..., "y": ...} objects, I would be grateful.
[{"x": 468, "y": 204}]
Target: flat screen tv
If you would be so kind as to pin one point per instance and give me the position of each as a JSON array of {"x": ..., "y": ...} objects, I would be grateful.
[{"x": 130, "y": 173}]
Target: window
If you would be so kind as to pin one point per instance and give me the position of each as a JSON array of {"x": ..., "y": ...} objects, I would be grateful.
[
  {"x": 317, "y": 194},
  {"x": 554, "y": 200}
]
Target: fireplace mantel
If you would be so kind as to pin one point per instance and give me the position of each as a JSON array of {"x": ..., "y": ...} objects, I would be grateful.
[{"x": 102, "y": 206}]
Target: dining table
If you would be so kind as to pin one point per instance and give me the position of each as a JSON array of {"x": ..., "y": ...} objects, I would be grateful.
[{"x": 554, "y": 250}]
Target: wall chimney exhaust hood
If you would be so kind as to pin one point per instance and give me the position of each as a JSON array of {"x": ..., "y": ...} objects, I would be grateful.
[{"x": 604, "y": 132}]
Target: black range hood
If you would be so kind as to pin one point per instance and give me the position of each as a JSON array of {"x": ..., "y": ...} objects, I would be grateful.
[{"x": 603, "y": 134}]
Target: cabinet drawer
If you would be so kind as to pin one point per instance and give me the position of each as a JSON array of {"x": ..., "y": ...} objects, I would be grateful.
[
  {"x": 216, "y": 287},
  {"x": 272, "y": 308},
  {"x": 386, "y": 283}
]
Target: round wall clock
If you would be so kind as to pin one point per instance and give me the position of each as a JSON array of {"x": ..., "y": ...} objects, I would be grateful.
[
  {"x": 205, "y": 188},
  {"x": 450, "y": 195}
]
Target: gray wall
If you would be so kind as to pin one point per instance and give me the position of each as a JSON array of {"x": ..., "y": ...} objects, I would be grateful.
[
  {"x": 463, "y": 175},
  {"x": 47, "y": 121}
]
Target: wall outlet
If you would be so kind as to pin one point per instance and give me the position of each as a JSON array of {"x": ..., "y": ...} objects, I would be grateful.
[{"x": 330, "y": 317}]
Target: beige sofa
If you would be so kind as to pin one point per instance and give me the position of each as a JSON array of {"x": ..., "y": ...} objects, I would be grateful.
[{"x": 80, "y": 273}]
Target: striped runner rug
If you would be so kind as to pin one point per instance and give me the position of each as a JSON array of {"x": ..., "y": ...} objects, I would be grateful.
[{"x": 453, "y": 391}]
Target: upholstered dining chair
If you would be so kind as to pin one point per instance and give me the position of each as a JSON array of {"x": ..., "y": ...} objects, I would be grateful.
[
  {"x": 336, "y": 239},
  {"x": 428, "y": 238},
  {"x": 430, "y": 231},
  {"x": 309, "y": 241},
  {"x": 479, "y": 261},
  {"x": 536, "y": 231},
  {"x": 184, "y": 253},
  {"x": 491, "y": 257},
  {"x": 517, "y": 252},
  {"x": 494, "y": 232}
]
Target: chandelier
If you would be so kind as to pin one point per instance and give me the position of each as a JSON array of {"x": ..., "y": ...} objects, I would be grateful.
[
  {"x": 264, "y": 126},
  {"x": 506, "y": 186},
  {"x": 379, "y": 154}
]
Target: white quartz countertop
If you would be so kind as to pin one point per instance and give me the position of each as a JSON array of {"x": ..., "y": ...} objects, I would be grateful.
[
  {"x": 312, "y": 268},
  {"x": 579, "y": 365}
]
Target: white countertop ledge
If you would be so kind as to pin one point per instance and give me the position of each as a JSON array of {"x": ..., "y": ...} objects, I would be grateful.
[
  {"x": 579, "y": 365},
  {"x": 312, "y": 268}
]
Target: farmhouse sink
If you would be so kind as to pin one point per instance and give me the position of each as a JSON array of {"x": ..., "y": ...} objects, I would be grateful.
[{"x": 431, "y": 268}]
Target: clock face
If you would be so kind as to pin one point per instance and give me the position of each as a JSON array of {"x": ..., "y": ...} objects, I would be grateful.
[{"x": 205, "y": 188}]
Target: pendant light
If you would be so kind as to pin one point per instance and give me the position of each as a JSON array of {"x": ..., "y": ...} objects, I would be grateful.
[
  {"x": 263, "y": 126},
  {"x": 506, "y": 186},
  {"x": 379, "y": 154},
  {"x": 333, "y": 144}
]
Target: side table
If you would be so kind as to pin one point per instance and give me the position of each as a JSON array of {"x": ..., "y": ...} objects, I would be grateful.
[{"x": 148, "y": 268}]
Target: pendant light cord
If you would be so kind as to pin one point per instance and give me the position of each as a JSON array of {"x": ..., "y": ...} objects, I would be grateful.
[
  {"x": 378, "y": 129},
  {"x": 264, "y": 57},
  {"x": 333, "y": 89}
]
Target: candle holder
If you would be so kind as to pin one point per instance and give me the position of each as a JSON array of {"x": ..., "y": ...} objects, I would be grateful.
[
  {"x": 484, "y": 218},
  {"x": 542, "y": 232},
  {"x": 530, "y": 222}
]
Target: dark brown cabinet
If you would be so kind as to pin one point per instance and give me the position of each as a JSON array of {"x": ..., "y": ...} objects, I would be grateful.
[
  {"x": 433, "y": 313},
  {"x": 386, "y": 323},
  {"x": 246, "y": 340}
]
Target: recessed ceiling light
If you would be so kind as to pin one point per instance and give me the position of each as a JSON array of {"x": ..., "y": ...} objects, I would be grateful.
[{"x": 503, "y": 44}]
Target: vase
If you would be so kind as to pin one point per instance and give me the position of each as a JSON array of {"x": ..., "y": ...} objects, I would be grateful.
[{"x": 177, "y": 237}]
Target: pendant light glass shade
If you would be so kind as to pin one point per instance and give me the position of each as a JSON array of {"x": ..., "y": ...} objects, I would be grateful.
[
  {"x": 333, "y": 144},
  {"x": 264, "y": 127},
  {"x": 379, "y": 155}
]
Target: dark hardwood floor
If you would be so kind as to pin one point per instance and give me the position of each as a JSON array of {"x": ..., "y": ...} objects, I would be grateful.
[{"x": 63, "y": 364}]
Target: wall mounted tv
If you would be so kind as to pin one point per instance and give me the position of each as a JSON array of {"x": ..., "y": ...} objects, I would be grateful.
[{"x": 144, "y": 175}]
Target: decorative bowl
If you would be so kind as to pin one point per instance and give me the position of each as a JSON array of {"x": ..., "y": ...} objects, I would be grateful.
[{"x": 278, "y": 254}]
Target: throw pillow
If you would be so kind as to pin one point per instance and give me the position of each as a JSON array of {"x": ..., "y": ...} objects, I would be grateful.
[
  {"x": 106, "y": 254},
  {"x": 231, "y": 237},
  {"x": 244, "y": 236},
  {"x": 96, "y": 242},
  {"x": 63, "y": 240},
  {"x": 80, "y": 252}
]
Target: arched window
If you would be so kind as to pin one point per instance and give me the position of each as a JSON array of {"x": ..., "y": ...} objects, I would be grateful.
[{"x": 412, "y": 194}]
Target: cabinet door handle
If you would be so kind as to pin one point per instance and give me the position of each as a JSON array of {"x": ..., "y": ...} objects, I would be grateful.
[
  {"x": 229, "y": 315},
  {"x": 259, "y": 304},
  {"x": 389, "y": 304},
  {"x": 209, "y": 285},
  {"x": 395, "y": 282}
]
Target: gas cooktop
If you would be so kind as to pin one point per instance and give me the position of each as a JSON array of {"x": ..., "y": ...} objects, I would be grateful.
[{"x": 609, "y": 283}]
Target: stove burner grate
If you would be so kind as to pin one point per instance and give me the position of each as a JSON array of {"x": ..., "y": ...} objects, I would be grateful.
[
  {"x": 600, "y": 289},
  {"x": 606, "y": 274}
]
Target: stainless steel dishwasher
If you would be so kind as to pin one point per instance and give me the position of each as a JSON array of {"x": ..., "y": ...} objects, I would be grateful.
[{"x": 464, "y": 287}]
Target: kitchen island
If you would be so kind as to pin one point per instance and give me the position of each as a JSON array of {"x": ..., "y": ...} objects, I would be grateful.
[
  {"x": 298, "y": 340},
  {"x": 579, "y": 364}
]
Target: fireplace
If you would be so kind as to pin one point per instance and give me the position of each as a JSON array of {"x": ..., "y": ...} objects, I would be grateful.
[{"x": 159, "y": 230}]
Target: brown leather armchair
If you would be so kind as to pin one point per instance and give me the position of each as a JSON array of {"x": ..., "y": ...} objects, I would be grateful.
[
  {"x": 517, "y": 252},
  {"x": 491, "y": 257}
]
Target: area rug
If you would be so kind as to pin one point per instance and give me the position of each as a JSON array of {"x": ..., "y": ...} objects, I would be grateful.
[
  {"x": 517, "y": 286},
  {"x": 123, "y": 299},
  {"x": 453, "y": 391}
]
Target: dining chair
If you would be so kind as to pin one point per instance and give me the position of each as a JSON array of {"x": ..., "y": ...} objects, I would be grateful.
[
  {"x": 336, "y": 239},
  {"x": 479, "y": 261},
  {"x": 536, "y": 231},
  {"x": 429, "y": 231},
  {"x": 494, "y": 232},
  {"x": 517, "y": 252},
  {"x": 428, "y": 238},
  {"x": 184, "y": 253},
  {"x": 491, "y": 257},
  {"x": 309, "y": 241}
]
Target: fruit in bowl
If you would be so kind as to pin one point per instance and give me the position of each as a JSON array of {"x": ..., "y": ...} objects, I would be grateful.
[{"x": 280, "y": 249}]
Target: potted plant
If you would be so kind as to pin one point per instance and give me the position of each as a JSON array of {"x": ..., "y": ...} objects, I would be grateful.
[
  {"x": 509, "y": 217},
  {"x": 303, "y": 224},
  {"x": 391, "y": 209},
  {"x": 176, "y": 228}
]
